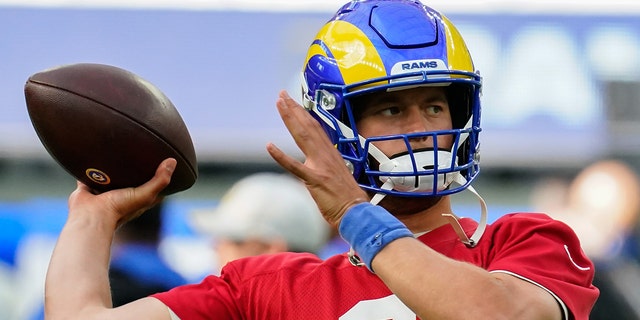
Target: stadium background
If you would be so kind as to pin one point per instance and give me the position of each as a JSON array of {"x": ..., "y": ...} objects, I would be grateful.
[{"x": 562, "y": 89}]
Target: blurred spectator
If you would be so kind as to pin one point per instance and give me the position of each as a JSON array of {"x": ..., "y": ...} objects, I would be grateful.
[
  {"x": 11, "y": 232},
  {"x": 7, "y": 291},
  {"x": 263, "y": 213},
  {"x": 137, "y": 269},
  {"x": 602, "y": 204},
  {"x": 550, "y": 195}
]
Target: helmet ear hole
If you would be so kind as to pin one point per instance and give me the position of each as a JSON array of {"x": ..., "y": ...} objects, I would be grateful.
[{"x": 459, "y": 98}]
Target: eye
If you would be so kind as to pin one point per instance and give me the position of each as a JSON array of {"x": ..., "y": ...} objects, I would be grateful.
[
  {"x": 434, "y": 109},
  {"x": 389, "y": 111}
]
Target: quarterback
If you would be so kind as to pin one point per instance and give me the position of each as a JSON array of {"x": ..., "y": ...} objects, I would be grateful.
[{"x": 390, "y": 129}]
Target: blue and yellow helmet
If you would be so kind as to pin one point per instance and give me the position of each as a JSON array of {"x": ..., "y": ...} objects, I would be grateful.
[{"x": 374, "y": 45}]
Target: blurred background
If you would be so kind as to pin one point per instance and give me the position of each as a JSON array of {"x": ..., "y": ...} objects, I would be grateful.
[{"x": 561, "y": 91}]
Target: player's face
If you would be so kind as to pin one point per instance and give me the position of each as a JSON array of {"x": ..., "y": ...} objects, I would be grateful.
[{"x": 405, "y": 111}]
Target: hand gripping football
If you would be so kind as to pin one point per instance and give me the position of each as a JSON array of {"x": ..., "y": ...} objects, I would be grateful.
[{"x": 108, "y": 127}]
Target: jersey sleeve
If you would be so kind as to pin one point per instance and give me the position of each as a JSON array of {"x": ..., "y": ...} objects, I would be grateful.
[
  {"x": 546, "y": 252},
  {"x": 213, "y": 296},
  {"x": 248, "y": 288}
]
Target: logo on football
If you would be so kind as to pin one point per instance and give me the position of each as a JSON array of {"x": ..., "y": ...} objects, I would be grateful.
[{"x": 98, "y": 176}]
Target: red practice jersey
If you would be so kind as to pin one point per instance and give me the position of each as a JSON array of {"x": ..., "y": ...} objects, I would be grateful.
[{"x": 532, "y": 247}]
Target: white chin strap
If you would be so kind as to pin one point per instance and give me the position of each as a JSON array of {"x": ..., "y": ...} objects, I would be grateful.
[
  {"x": 455, "y": 177},
  {"x": 482, "y": 224},
  {"x": 426, "y": 183},
  {"x": 452, "y": 219}
]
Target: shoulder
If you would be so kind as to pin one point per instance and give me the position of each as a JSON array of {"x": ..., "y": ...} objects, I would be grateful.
[
  {"x": 528, "y": 222},
  {"x": 277, "y": 261},
  {"x": 536, "y": 248},
  {"x": 532, "y": 233},
  {"x": 284, "y": 263},
  {"x": 524, "y": 217},
  {"x": 521, "y": 236}
]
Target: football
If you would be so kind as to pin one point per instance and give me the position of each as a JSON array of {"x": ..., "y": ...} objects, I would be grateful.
[{"x": 108, "y": 127}]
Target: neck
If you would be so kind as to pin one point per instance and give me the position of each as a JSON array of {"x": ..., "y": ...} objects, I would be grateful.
[{"x": 419, "y": 214}]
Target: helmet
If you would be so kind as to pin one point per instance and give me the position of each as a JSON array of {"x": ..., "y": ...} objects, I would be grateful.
[{"x": 376, "y": 45}]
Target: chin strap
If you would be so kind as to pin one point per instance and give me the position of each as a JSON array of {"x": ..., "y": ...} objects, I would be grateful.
[
  {"x": 387, "y": 185},
  {"x": 482, "y": 224},
  {"x": 452, "y": 219}
]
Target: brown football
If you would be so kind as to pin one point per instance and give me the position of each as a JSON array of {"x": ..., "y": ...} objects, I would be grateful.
[{"x": 108, "y": 127}]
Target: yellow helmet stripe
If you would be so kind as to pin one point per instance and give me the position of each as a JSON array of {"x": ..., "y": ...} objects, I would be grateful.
[
  {"x": 351, "y": 48},
  {"x": 457, "y": 52}
]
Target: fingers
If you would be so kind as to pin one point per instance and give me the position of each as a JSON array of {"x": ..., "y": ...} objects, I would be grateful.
[
  {"x": 324, "y": 172},
  {"x": 131, "y": 202},
  {"x": 81, "y": 186},
  {"x": 120, "y": 205},
  {"x": 296, "y": 118},
  {"x": 305, "y": 130},
  {"x": 285, "y": 161},
  {"x": 161, "y": 178},
  {"x": 158, "y": 182},
  {"x": 149, "y": 192}
]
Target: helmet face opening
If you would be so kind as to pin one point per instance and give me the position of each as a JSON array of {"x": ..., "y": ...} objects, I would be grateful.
[{"x": 384, "y": 46}]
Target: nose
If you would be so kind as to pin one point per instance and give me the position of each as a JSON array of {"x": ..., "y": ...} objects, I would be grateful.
[
  {"x": 415, "y": 122},
  {"x": 422, "y": 120},
  {"x": 418, "y": 123}
]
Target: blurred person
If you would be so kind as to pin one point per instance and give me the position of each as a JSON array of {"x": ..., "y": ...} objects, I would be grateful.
[
  {"x": 11, "y": 232},
  {"x": 389, "y": 128},
  {"x": 32, "y": 258},
  {"x": 262, "y": 213},
  {"x": 7, "y": 291},
  {"x": 137, "y": 269},
  {"x": 550, "y": 194},
  {"x": 603, "y": 206}
]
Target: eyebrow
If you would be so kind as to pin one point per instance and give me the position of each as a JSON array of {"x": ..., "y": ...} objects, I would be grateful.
[{"x": 438, "y": 97}]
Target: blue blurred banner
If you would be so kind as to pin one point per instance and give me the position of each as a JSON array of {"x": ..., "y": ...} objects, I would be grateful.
[{"x": 544, "y": 74}]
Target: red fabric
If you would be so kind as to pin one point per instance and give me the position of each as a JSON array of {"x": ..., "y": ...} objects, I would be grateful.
[{"x": 301, "y": 286}]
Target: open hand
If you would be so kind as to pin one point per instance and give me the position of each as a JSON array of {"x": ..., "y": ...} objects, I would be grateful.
[
  {"x": 324, "y": 171},
  {"x": 121, "y": 205}
]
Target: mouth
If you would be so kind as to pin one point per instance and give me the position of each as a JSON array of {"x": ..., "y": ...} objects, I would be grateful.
[{"x": 414, "y": 151}]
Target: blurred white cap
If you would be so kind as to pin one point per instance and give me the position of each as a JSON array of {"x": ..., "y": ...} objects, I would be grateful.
[{"x": 266, "y": 206}]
